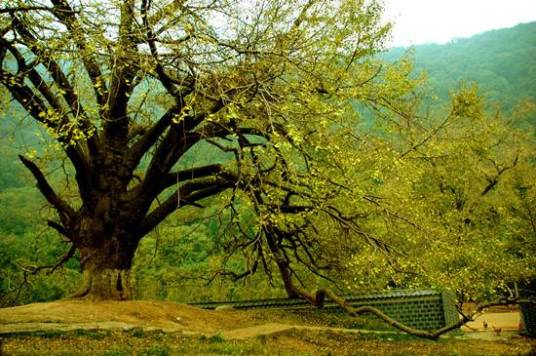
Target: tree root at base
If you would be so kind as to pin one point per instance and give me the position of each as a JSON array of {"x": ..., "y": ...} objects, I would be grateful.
[{"x": 107, "y": 284}]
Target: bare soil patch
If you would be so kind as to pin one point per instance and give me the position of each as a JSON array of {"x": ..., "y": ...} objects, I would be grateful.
[
  {"x": 507, "y": 321},
  {"x": 156, "y": 315},
  {"x": 71, "y": 315}
]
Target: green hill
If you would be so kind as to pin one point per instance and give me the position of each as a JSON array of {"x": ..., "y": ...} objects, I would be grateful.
[{"x": 502, "y": 63}]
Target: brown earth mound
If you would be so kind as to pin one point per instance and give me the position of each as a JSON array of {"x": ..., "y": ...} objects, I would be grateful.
[{"x": 150, "y": 315}]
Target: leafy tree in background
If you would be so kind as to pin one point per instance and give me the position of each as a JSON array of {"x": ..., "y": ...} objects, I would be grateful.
[{"x": 460, "y": 196}]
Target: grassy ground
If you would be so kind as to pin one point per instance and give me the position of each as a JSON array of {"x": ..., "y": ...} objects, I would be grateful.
[{"x": 293, "y": 342}]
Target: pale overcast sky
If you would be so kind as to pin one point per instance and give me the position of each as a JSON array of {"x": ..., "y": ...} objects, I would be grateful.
[{"x": 423, "y": 21}]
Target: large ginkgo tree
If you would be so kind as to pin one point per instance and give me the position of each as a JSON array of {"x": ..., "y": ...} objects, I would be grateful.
[
  {"x": 329, "y": 161},
  {"x": 128, "y": 88}
]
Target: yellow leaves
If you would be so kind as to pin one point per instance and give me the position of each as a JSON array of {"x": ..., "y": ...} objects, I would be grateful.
[
  {"x": 63, "y": 129},
  {"x": 295, "y": 135},
  {"x": 31, "y": 154},
  {"x": 15, "y": 81},
  {"x": 189, "y": 28},
  {"x": 51, "y": 116},
  {"x": 467, "y": 103},
  {"x": 299, "y": 91},
  {"x": 232, "y": 112},
  {"x": 77, "y": 134},
  {"x": 98, "y": 83},
  {"x": 186, "y": 112}
]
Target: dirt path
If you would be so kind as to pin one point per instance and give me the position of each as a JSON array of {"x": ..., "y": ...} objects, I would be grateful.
[
  {"x": 500, "y": 326},
  {"x": 508, "y": 321},
  {"x": 274, "y": 328},
  {"x": 494, "y": 326}
]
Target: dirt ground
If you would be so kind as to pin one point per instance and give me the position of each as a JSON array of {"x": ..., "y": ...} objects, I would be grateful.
[
  {"x": 134, "y": 327},
  {"x": 508, "y": 321},
  {"x": 68, "y": 315}
]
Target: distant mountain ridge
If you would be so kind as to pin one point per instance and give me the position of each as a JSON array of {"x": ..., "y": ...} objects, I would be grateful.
[{"x": 502, "y": 62}]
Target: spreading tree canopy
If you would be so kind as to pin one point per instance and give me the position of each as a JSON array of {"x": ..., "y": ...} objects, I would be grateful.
[
  {"x": 327, "y": 160},
  {"x": 128, "y": 88}
]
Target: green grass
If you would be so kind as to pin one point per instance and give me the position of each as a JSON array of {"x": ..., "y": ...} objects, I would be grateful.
[{"x": 292, "y": 342}]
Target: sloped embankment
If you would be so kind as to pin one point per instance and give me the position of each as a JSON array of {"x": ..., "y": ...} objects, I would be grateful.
[{"x": 68, "y": 315}]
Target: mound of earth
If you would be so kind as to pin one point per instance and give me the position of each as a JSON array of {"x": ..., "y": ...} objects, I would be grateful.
[
  {"x": 68, "y": 315},
  {"x": 170, "y": 317}
]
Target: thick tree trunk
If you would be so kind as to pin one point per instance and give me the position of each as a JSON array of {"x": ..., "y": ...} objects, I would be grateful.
[
  {"x": 106, "y": 273},
  {"x": 105, "y": 237},
  {"x": 106, "y": 283}
]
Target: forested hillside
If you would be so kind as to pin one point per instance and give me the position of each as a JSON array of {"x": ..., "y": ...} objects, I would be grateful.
[{"x": 501, "y": 62}]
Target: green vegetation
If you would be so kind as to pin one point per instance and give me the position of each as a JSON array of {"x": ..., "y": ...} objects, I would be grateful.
[
  {"x": 501, "y": 62},
  {"x": 273, "y": 147},
  {"x": 287, "y": 343}
]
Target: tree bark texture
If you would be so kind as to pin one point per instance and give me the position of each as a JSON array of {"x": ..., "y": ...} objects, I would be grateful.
[{"x": 106, "y": 262}]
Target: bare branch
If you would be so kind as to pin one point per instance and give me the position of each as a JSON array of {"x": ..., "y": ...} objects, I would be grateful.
[
  {"x": 189, "y": 194},
  {"x": 59, "y": 228},
  {"x": 12, "y": 10},
  {"x": 493, "y": 181},
  {"x": 151, "y": 135},
  {"x": 63, "y": 11},
  {"x": 66, "y": 257},
  {"x": 44, "y": 187},
  {"x": 67, "y": 90},
  {"x": 191, "y": 174}
]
